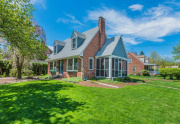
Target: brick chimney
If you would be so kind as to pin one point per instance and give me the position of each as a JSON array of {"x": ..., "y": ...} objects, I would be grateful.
[
  {"x": 135, "y": 53},
  {"x": 101, "y": 25}
]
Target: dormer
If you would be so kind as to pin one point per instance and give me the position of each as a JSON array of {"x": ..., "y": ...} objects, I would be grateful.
[
  {"x": 58, "y": 46},
  {"x": 77, "y": 39}
]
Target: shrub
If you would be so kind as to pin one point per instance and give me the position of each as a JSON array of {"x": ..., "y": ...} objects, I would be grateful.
[
  {"x": 145, "y": 72},
  {"x": 13, "y": 72},
  {"x": 138, "y": 73},
  {"x": 164, "y": 72},
  {"x": 27, "y": 72}
]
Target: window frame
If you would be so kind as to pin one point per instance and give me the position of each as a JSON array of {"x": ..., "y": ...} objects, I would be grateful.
[
  {"x": 91, "y": 58},
  {"x": 129, "y": 59},
  {"x": 72, "y": 64},
  {"x": 134, "y": 68},
  {"x": 54, "y": 49},
  {"x": 74, "y": 41}
]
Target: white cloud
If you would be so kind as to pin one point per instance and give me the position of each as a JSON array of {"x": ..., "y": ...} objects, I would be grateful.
[
  {"x": 161, "y": 10},
  {"x": 40, "y": 2},
  {"x": 136, "y": 7},
  {"x": 152, "y": 28},
  {"x": 70, "y": 19}
]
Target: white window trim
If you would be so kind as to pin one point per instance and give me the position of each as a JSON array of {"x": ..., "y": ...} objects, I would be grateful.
[
  {"x": 75, "y": 43},
  {"x": 131, "y": 60},
  {"x": 72, "y": 65},
  {"x": 133, "y": 69},
  {"x": 56, "y": 49},
  {"x": 92, "y": 63}
]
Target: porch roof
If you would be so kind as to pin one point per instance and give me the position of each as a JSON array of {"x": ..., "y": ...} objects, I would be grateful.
[
  {"x": 149, "y": 64},
  {"x": 113, "y": 46}
]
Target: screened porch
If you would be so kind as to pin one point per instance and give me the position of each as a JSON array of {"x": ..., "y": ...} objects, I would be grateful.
[{"x": 111, "y": 67}]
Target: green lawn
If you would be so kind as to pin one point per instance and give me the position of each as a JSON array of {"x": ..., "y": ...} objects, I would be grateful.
[
  {"x": 152, "y": 77},
  {"x": 46, "y": 102}
]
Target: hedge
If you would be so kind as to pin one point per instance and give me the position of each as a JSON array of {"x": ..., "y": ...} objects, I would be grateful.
[
  {"x": 39, "y": 69},
  {"x": 164, "y": 72},
  {"x": 5, "y": 67}
]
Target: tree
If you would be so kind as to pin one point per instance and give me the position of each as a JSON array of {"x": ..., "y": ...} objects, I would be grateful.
[
  {"x": 16, "y": 27},
  {"x": 141, "y": 53},
  {"x": 176, "y": 51},
  {"x": 154, "y": 57}
]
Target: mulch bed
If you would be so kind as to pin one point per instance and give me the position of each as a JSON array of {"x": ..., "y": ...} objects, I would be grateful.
[{"x": 8, "y": 80}]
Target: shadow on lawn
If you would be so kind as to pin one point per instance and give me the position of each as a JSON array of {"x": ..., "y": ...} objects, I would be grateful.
[{"x": 37, "y": 103}]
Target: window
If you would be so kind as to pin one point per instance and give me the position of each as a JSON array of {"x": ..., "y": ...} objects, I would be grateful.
[
  {"x": 91, "y": 63},
  {"x": 54, "y": 49},
  {"x": 72, "y": 64},
  {"x": 74, "y": 43},
  {"x": 53, "y": 65},
  {"x": 102, "y": 67},
  {"x": 130, "y": 60},
  {"x": 134, "y": 68}
]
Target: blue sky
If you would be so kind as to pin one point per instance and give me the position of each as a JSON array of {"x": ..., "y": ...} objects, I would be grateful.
[{"x": 145, "y": 25}]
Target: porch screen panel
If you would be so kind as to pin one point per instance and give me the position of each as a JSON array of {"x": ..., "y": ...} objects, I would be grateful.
[
  {"x": 116, "y": 67},
  {"x": 98, "y": 67},
  {"x": 113, "y": 71},
  {"x": 106, "y": 67},
  {"x": 102, "y": 67},
  {"x": 124, "y": 68}
]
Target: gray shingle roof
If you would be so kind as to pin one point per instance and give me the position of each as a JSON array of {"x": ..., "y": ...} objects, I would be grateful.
[
  {"x": 59, "y": 42},
  {"x": 68, "y": 52},
  {"x": 80, "y": 34},
  {"x": 113, "y": 46}
]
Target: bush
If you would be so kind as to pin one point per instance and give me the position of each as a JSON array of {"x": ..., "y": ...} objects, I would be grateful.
[
  {"x": 145, "y": 73},
  {"x": 164, "y": 72},
  {"x": 13, "y": 72},
  {"x": 27, "y": 72},
  {"x": 138, "y": 73}
]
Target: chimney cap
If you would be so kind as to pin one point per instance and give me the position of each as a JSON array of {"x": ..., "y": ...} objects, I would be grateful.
[{"x": 100, "y": 17}]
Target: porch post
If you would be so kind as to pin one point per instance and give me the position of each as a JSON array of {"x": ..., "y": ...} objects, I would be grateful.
[
  {"x": 127, "y": 68},
  {"x": 110, "y": 67},
  {"x": 154, "y": 69}
]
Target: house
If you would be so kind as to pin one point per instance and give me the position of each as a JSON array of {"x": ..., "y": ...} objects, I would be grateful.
[
  {"x": 90, "y": 53},
  {"x": 137, "y": 63}
]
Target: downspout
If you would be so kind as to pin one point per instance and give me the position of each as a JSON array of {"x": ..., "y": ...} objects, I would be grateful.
[{"x": 81, "y": 64}]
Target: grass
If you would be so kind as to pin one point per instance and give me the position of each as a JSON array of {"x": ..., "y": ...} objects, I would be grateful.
[
  {"x": 117, "y": 80},
  {"x": 72, "y": 79},
  {"x": 52, "y": 101},
  {"x": 44, "y": 76},
  {"x": 153, "y": 77}
]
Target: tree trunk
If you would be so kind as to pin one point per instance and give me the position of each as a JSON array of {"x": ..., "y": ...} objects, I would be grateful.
[{"x": 19, "y": 68}]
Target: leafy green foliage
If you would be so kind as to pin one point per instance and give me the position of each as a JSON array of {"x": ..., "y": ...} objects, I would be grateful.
[
  {"x": 141, "y": 53},
  {"x": 5, "y": 67},
  {"x": 138, "y": 73},
  {"x": 164, "y": 72},
  {"x": 39, "y": 68},
  {"x": 154, "y": 57},
  {"x": 16, "y": 27},
  {"x": 145, "y": 73},
  {"x": 72, "y": 79},
  {"x": 176, "y": 51}
]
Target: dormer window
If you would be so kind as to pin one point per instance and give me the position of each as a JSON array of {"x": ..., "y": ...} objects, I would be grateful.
[
  {"x": 55, "y": 50},
  {"x": 74, "y": 45}
]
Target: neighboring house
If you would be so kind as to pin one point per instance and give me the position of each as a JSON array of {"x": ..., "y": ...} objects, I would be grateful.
[
  {"x": 91, "y": 53},
  {"x": 137, "y": 63}
]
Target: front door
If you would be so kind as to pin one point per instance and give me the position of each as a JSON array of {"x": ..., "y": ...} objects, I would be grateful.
[{"x": 61, "y": 67}]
